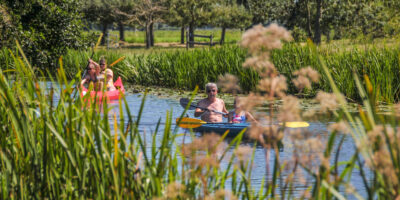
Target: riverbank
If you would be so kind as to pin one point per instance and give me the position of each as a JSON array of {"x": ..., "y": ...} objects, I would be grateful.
[{"x": 184, "y": 70}]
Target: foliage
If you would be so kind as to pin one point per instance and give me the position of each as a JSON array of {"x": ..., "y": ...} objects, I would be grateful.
[
  {"x": 145, "y": 13},
  {"x": 45, "y": 29},
  {"x": 56, "y": 146},
  {"x": 231, "y": 16},
  {"x": 197, "y": 67}
]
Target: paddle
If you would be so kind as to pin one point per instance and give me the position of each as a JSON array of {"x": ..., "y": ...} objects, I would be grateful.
[
  {"x": 117, "y": 61},
  {"x": 187, "y": 122},
  {"x": 93, "y": 49},
  {"x": 184, "y": 102}
]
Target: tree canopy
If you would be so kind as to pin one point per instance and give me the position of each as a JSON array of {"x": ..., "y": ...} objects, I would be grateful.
[{"x": 45, "y": 29}]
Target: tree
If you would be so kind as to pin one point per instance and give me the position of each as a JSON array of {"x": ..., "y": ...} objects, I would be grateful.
[
  {"x": 177, "y": 15},
  {"x": 230, "y": 15},
  {"x": 145, "y": 13},
  {"x": 7, "y": 27},
  {"x": 45, "y": 29},
  {"x": 193, "y": 13},
  {"x": 259, "y": 9},
  {"x": 125, "y": 6},
  {"x": 101, "y": 12}
]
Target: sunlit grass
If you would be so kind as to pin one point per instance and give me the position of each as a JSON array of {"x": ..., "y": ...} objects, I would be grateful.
[
  {"x": 179, "y": 68},
  {"x": 174, "y": 36},
  {"x": 56, "y": 144}
]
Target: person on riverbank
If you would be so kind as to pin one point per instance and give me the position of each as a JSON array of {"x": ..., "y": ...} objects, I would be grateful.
[
  {"x": 238, "y": 115},
  {"x": 211, "y": 103}
]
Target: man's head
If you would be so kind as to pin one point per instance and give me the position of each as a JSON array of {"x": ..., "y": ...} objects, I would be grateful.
[
  {"x": 102, "y": 63},
  {"x": 211, "y": 90}
]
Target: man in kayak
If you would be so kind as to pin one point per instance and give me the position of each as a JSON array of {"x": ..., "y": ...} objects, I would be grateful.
[{"x": 211, "y": 103}]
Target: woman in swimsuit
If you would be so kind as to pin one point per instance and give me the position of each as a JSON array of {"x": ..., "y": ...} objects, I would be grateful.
[
  {"x": 91, "y": 76},
  {"x": 238, "y": 115}
]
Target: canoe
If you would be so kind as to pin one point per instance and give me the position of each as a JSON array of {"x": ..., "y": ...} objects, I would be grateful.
[
  {"x": 221, "y": 128},
  {"x": 110, "y": 95}
]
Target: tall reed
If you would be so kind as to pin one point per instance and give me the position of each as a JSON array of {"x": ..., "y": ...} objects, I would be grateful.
[
  {"x": 186, "y": 69},
  {"x": 56, "y": 144}
]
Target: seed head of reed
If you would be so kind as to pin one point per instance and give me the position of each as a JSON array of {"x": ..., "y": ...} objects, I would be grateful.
[
  {"x": 209, "y": 143},
  {"x": 222, "y": 194},
  {"x": 309, "y": 113},
  {"x": 375, "y": 136},
  {"x": 243, "y": 153},
  {"x": 266, "y": 135},
  {"x": 203, "y": 151},
  {"x": 309, "y": 152},
  {"x": 350, "y": 189},
  {"x": 341, "y": 126},
  {"x": 380, "y": 157},
  {"x": 229, "y": 83},
  {"x": 290, "y": 110},
  {"x": 260, "y": 38},
  {"x": 249, "y": 102},
  {"x": 304, "y": 78},
  {"x": 261, "y": 64},
  {"x": 207, "y": 161},
  {"x": 275, "y": 86},
  {"x": 175, "y": 190},
  {"x": 381, "y": 161},
  {"x": 328, "y": 101}
]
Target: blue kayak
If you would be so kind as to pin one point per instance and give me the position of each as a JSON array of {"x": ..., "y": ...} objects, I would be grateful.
[{"x": 221, "y": 128}]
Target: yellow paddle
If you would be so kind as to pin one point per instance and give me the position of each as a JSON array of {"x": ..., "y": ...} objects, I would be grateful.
[
  {"x": 187, "y": 122},
  {"x": 117, "y": 61}
]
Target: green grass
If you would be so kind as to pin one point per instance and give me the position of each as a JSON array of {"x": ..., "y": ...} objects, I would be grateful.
[
  {"x": 181, "y": 69},
  {"x": 174, "y": 36}
]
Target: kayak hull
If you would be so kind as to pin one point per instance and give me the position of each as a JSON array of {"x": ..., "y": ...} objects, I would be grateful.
[
  {"x": 110, "y": 95},
  {"x": 221, "y": 128}
]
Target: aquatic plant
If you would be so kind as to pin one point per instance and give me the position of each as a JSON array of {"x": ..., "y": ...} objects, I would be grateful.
[
  {"x": 183, "y": 69},
  {"x": 56, "y": 144}
]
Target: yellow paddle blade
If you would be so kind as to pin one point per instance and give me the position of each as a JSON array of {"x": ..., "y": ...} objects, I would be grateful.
[
  {"x": 117, "y": 61},
  {"x": 190, "y": 122},
  {"x": 98, "y": 40},
  {"x": 296, "y": 124}
]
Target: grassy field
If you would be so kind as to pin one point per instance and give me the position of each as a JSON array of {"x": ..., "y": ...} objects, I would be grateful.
[{"x": 174, "y": 36}]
